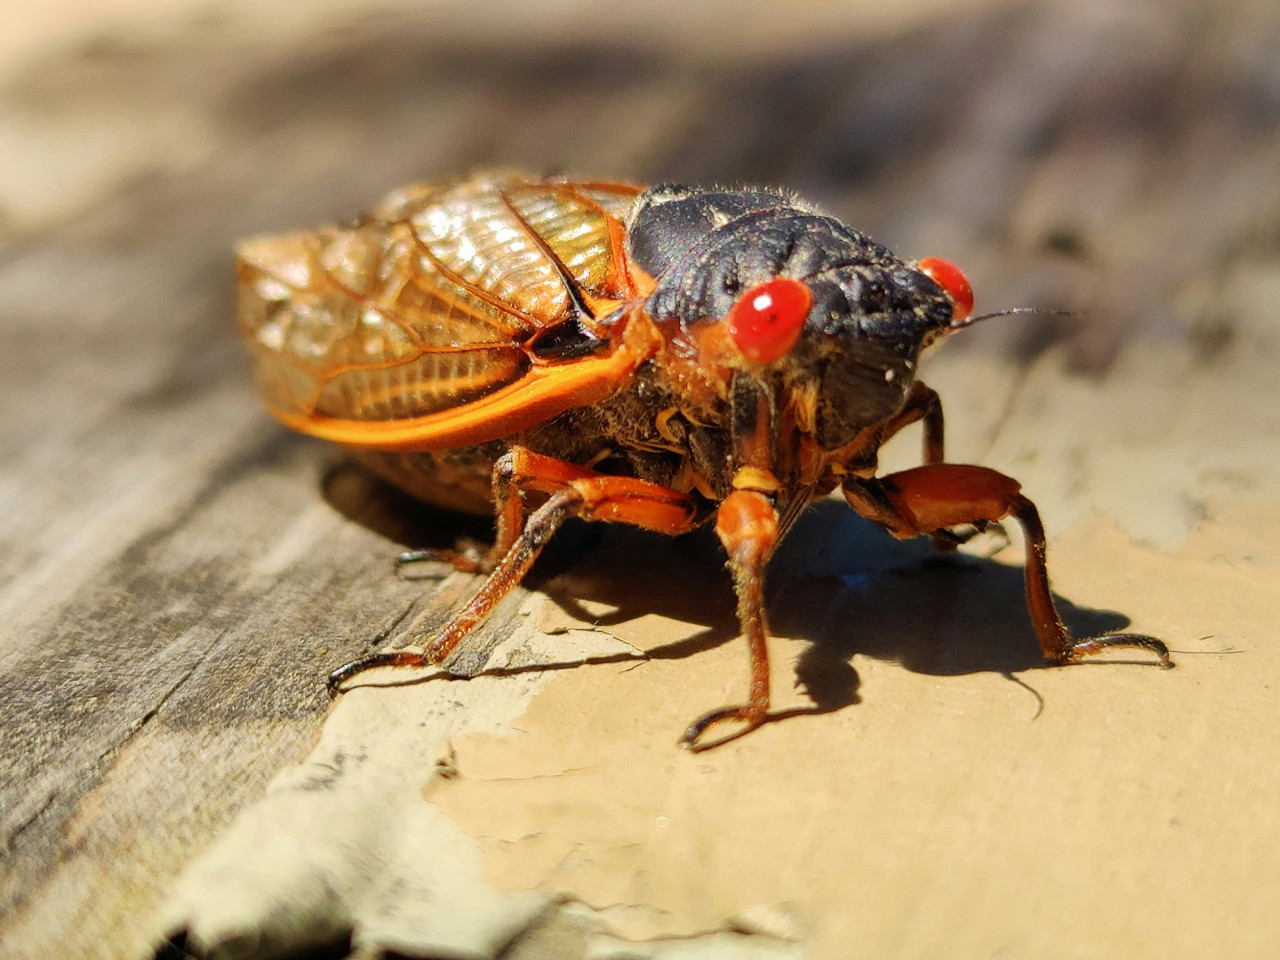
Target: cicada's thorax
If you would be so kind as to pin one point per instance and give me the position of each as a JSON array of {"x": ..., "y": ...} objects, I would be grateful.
[{"x": 706, "y": 413}]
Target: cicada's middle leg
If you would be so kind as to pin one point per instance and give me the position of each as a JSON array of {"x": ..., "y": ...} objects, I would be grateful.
[{"x": 572, "y": 491}]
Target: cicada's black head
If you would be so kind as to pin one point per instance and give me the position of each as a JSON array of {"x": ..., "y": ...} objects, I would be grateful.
[{"x": 829, "y": 314}]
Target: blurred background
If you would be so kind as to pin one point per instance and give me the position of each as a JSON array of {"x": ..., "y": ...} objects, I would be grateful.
[
  {"x": 1119, "y": 159},
  {"x": 1095, "y": 154}
]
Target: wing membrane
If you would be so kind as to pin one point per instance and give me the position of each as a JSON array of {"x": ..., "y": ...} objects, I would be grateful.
[{"x": 430, "y": 304}]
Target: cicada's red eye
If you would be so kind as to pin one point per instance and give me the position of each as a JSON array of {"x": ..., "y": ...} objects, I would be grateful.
[
  {"x": 766, "y": 320},
  {"x": 953, "y": 283}
]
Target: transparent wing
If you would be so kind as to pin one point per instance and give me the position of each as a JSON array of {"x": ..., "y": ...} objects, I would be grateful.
[{"x": 431, "y": 302}]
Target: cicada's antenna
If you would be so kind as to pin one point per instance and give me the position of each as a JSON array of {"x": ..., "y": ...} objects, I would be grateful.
[{"x": 960, "y": 324}]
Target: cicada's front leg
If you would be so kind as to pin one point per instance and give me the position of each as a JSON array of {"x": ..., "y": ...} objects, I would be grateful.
[
  {"x": 942, "y": 495},
  {"x": 922, "y": 404},
  {"x": 747, "y": 525},
  {"x": 572, "y": 491}
]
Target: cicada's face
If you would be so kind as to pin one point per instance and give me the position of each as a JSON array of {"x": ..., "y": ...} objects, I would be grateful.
[{"x": 812, "y": 306}]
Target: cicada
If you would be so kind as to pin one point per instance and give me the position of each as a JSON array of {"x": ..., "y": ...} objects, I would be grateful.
[{"x": 545, "y": 348}]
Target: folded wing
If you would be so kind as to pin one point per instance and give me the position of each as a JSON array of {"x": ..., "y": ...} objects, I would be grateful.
[{"x": 429, "y": 304}]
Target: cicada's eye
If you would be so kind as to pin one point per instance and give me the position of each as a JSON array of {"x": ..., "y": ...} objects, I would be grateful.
[
  {"x": 953, "y": 283},
  {"x": 766, "y": 320}
]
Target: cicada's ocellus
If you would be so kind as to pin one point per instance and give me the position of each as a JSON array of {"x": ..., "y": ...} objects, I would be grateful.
[{"x": 665, "y": 357}]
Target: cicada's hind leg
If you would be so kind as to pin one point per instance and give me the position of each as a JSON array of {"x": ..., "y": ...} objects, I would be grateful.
[
  {"x": 511, "y": 473},
  {"x": 572, "y": 491},
  {"x": 467, "y": 560},
  {"x": 938, "y": 496},
  {"x": 747, "y": 525}
]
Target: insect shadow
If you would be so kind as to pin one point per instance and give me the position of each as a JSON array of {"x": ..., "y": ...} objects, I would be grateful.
[{"x": 839, "y": 584}]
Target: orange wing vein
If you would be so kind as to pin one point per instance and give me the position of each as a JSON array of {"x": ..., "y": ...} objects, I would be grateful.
[{"x": 412, "y": 328}]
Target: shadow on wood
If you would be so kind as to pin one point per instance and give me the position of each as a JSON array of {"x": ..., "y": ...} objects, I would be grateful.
[{"x": 839, "y": 584}]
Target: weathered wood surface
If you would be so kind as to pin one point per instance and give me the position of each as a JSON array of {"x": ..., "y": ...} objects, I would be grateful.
[{"x": 177, "y": 573}]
